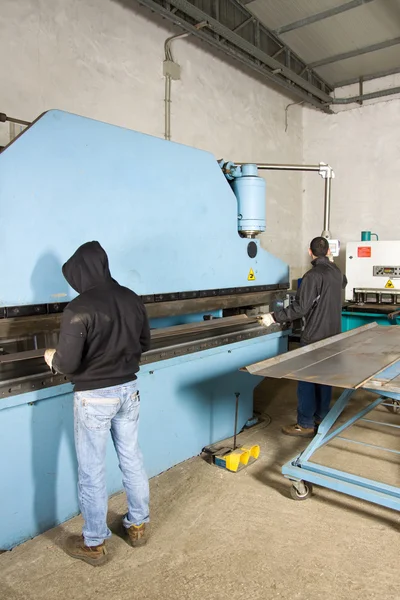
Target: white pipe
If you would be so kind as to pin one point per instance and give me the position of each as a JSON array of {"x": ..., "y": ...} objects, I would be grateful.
[
  {"x": 167, "y": 102},
  {"x": 168, "y": 85},
  {"x": 168, "y": 79}
]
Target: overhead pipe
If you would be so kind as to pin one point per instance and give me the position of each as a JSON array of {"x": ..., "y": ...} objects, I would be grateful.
[
  {"x": 324, "y": 170},
  {"x": 369, "y": 96}
]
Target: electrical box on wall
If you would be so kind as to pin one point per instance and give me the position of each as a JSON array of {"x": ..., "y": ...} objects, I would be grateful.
[
  {"x": 171, "y": 69},
  {"x": 334, "y": 247}
]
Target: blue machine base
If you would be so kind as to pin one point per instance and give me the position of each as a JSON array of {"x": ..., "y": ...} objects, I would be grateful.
[
  {"x": 186, "y": 403},
  {"x": 300, "y": 468},
  {"x": 352, "y": 320}
]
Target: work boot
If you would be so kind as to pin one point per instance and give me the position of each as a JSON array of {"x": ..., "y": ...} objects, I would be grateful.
[
  {"x": 297, "y": 430},
  {"x": 93, "y": 555},
  {"x": 137, "y": 535}
]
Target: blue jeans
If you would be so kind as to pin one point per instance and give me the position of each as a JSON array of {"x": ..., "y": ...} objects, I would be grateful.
[
  {"x": 96, "y": 413},
  {"x": 313, "y": 400}
]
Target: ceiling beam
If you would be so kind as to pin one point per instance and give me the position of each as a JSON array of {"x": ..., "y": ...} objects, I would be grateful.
[
  {"x": 243, "y": 48},
  {"x": 345, "y": 55},
  {"x": 192, "y": 10},
  {"x": 370, "y": 77},
  {"x": 325, "y": 14},
  {"x": 364, "y": 97},
  {"x": 253, "y": 45}
]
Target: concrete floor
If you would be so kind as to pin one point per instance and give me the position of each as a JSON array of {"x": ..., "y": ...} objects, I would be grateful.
[{"x": 218, "y": 535}]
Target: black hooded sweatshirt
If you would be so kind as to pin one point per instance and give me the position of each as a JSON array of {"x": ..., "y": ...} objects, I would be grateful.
[
  {"x": 104, "y": 330},
  {"x": 318, "y": 301}
]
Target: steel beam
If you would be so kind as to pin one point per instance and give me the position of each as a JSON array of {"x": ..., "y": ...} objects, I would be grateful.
[
  {"x": 325, "y": 14},
  {"x": 345, "y": 55},
  {"x": 199, "y": 15},
  {"x": 370, "y": 77},
  {"x": 369, "y": 96},
  {"x": 242, "y": 44},
  {"x": 243, "y": 24}
]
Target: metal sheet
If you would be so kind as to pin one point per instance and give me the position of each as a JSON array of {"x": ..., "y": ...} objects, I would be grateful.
[
  {"x": 380, "y": 386},
  {"x": 321, "y": 16},
  {"x": 256, "y": 368},
  {"x": 388, "y": 381},
  {"x": 347, "y": 360},
  {"x": 361, "y": 65},
  {"x": 369, "y": 24},
  {"x": 277, "y": 14}
]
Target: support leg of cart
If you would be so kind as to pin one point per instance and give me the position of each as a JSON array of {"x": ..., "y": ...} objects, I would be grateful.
[{"x": 303, "y": 473}]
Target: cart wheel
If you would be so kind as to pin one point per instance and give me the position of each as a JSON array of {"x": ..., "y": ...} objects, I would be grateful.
[
  {"x": 396, "y": 407},
  {"x": 305, "y": 490}
]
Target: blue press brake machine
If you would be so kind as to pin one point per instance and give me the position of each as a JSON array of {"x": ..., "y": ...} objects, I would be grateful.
[{"x": 178, "y": 233}]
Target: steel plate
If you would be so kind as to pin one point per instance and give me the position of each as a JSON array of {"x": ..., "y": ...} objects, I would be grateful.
[{"x": 347, "y": 360}]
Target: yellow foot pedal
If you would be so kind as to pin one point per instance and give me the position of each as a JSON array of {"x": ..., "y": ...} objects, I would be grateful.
[{"x": 236, "y": 460}]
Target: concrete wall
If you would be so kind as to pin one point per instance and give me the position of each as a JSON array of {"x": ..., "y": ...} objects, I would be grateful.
[
  {"x": 362, "y": 144},
  {"x": 95, "y": 58}
]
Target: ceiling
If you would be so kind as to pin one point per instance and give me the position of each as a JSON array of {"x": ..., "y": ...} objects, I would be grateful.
[
  {"x": 341, "y": 40},
  {"x": 306, "y": 47}
]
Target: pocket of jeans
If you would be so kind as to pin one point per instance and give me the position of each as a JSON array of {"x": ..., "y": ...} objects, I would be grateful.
[
  {"x": 132, "y": 404},
  {"x": 99, "y": 411}
]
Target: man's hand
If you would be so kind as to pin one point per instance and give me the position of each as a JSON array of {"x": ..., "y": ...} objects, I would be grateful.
[
  {"x": 267, "y": 320},
  {"x": 48, "y": 356}
]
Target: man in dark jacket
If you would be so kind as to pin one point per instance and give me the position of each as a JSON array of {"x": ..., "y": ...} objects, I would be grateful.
[
  {"x": 319, "y": 302},
  {"x": 103, "y": 333}
]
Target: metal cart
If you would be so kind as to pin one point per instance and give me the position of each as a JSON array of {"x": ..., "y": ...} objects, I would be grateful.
[{"x": 366, "y": 358}]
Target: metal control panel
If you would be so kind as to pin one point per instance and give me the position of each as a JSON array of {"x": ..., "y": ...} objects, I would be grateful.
[
  {"x": 372, "y": 265},
  {"x": 380, "y": 271}
]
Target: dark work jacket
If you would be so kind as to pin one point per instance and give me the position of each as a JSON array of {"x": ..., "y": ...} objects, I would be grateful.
[
  {"x": 104, "y": 330},
  {"x": 318, "y": 301}
]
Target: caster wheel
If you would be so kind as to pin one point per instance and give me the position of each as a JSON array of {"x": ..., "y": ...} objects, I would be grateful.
[
  {"x": 396, "y": 407},
  {"x": 304, "y": 493}
]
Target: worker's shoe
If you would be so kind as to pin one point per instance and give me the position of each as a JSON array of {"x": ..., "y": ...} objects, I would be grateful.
[
  {"x": 297, "y": 430},
  {"x": 137, "y": 535},
  {"x": 93, "y": 555}
]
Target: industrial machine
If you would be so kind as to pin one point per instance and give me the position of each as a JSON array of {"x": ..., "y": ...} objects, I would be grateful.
[
  {"x": 180, "y": 231},
  {"x": 373, "y": 288}
]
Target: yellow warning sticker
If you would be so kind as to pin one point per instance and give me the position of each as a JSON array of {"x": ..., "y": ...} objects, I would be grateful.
[
  {"x": 252, "y": 277},
  {"x": 389, "y": 284}
]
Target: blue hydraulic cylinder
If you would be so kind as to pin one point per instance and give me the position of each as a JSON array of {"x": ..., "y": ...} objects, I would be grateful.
[{"x": 249, "y": 190}]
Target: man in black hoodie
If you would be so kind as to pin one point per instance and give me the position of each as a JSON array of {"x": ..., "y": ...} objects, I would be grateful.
[
  {"x": 319, "y": 302},
  {"x": 103, "y": 333}
]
